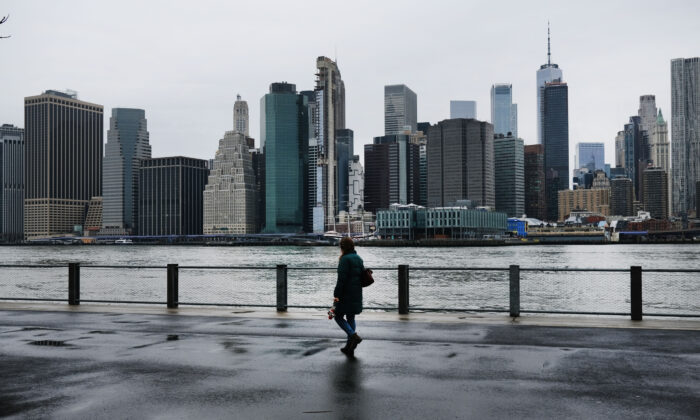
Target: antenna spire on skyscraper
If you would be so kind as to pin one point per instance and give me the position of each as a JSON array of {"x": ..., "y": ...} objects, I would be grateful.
[{"x": 549, "y": 50}]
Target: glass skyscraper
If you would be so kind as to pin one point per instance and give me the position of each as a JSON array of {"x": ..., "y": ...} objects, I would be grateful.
[
  {"x": 590, "y": 155},
  {"x": 400, "y": 109},
  {"x": 555, "y": 131},
  {"x": 345, "y": 147},
  {"x": 127, "y": 144},
  {"x": 504, "y": 114},
  {"x": 547, "y": 73},
  {"x": 462, "y": 109},
  {"x": 509, "y": 167},
  {"x": 11, "y": 183},
  {"x": 284, "y": 138}
]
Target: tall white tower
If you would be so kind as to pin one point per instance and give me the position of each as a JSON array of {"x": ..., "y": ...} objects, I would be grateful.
[{"x": 240, "y": 116}]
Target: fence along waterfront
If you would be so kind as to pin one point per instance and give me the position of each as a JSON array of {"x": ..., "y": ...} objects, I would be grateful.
[{"x": 514, "y": 290}]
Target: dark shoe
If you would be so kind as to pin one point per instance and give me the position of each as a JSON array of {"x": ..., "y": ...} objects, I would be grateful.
[
  {"x": 354, "y": 341},
  {"x": 348, "y": 352}
]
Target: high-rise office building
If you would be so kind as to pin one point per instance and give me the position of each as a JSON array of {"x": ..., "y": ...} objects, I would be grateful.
[
  {"x": 460, "y": 163},
  {"x": 258, "y": 161},
  {"x": 229, "y": 196},
  {"x": 555, "y": 137},
  {"x": 392, "y": 172},
  {"x": 636, "y": 153},
  {"x": 171, "y": 191},
  {"x": 697, "y": 198},
  {"x": 659, "y": 148},
  {"x": 356, "y": 185},
  {"x": 509, "y": 175},
  {"x": 284, "y": 134},
  {"x": 330, "y": 106},
  {"x": 685, "y": 131},
  {"x": 63, "y": 141},
  {"x": 655, "y": 193},
  {"x": 620, "y": 149},
  {"x": 345, "y": 146},
  {"x": 241, "y": 123},
  {"x": 127, "y": 144},
  {"x": 547, "y": 73},
  {"x": 504, "y": 113},
  {"x": 462, "y": 109},
  {"x": 400, "y": 109},
  {"x": 621, "y": 196},
  {"x": 535, "y": 202},
  {"x": 590, "y": 156},
  {"x": 11, "y": 183}
]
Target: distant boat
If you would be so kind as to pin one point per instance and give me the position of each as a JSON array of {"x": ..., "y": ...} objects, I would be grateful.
[{"x": 123, "y": 241}]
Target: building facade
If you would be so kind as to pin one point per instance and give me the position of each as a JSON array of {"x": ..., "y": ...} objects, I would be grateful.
[
  {"x": 229, "y": 196},
  {"x": 127, "y": 144},
  {"x": 655, "y": 193},
  {"x": 284, "y": 134},
  {"x": 11, "y": 183},
  {"x": 345, "y": 147},
  {"x": 590, "y": 156},
  {"x": 685, "y": 132},
  {"x": 504, "y": 114},
  {"x": 258, "y": 161},
  {"x": 463, "y": 109},
  {"x": 356, "y": 185},
  {"x": 509, "y": 175},
  {"x": 392, "y": 172},
  {"x": 400, "y": 110},
  {"x": 547, "y": 73},
  {"x": 535, "y": 199},
  {"x": 592, "y": 200},
  {"x": 621, "y": 196},
  {"x": 171, "y": 196},
  {"x": 241, "y": 122},
  {"x": 63, "y": 162},
  {"x": 460, "y": 163},
  {"x": 555, "y": 136}
]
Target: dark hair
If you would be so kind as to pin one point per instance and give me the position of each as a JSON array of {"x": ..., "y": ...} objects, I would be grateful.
[{"x": 346, "y": 245}]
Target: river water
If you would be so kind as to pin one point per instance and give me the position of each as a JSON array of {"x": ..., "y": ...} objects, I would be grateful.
[{"x": 672, "y": 293}]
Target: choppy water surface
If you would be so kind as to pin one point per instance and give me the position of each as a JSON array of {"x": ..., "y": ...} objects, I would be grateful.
[{"x": 468, "y": 289}]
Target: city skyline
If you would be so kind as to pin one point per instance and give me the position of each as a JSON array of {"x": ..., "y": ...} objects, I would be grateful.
[{"x": 195, "y": 101}]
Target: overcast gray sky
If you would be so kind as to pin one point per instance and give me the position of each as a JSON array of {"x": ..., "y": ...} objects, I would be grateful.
[{"x": 185, "y": 61}]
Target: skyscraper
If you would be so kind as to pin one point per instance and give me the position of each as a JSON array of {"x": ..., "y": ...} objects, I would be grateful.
[
  {"x": 240, "y": 116},
  {"x": 509, "y": 175},
  {"x": 504, "y": 113},
  {"x": 170, "y": 196},
  {"x": 11, "y": 183},
  {"x": 636, "y": 153},
  {"x": 127, "y": 144},
  {"x": 229, "y": 196},
  {"x": 685, "y": 130},
  {"x": 460, "y": 163},
  {"x": 535, "y": 203},
  {"x": 620, "y": 149},
  {"x": 392, "y": 172},
  {"x": 655, "y": 193},
  {"x": 621, "y": 196},
  {"x": 330, "y": 102},
  {"x": 356, "y": 185},
  {"x": 547, "y": 73},
  {"x": 555, "y": 137},
  {"x": 590, "y": 155},
  {"x": 63, "y": 162},
  {"x": 462, "y": 109},
  {"x": 345, "y": 147},
  {"x": 284, "y": 133},
  {"x": 400, "y": 109}
]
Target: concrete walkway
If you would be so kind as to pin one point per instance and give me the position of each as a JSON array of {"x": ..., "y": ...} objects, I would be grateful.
[{"x": 105, "y": 361}]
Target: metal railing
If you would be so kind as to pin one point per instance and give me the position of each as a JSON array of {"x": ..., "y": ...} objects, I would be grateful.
[{"x": 513, "y": 290}]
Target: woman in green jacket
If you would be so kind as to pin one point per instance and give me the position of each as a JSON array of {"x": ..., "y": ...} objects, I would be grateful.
[{"x": 348, "y": 293}]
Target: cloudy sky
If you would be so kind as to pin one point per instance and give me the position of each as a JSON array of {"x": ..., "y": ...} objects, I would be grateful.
[{"x": 185, "y": 61}]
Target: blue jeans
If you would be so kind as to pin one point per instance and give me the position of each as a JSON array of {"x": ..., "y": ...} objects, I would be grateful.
[{"x": 347, "y": 326}]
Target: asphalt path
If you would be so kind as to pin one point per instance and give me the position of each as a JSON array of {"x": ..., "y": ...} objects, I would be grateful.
[{"x": 118, "y": 365}]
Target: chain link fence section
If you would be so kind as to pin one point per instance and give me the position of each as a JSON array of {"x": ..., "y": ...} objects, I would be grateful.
[
  {"x": 34, "y": 282},
  {"x": 459, "y": 289},
  {"x": 228, "y": 286},
  {"x": 572, "y": 291},
  {"x": 313, "y": 288},
  {"x": 127, "y": 284},
  {"x": 667, "y": 293}
]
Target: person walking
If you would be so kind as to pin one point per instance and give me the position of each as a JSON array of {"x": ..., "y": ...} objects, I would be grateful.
[{"x": 348, "y": 294}]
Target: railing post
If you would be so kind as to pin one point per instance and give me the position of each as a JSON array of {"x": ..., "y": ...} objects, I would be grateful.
[
  {"x": 403, "y": 289},
  {"x": 636, "y": 292},
  {"x": 74, "y": 283},
  {"x": 173, "y": 292},
  {"x": 514, "y": 290},
  {"x": 281, "y": 288}
]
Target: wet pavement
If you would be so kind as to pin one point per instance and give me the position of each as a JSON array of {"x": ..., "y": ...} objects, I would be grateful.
[{"x": 123, "y": 365}]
